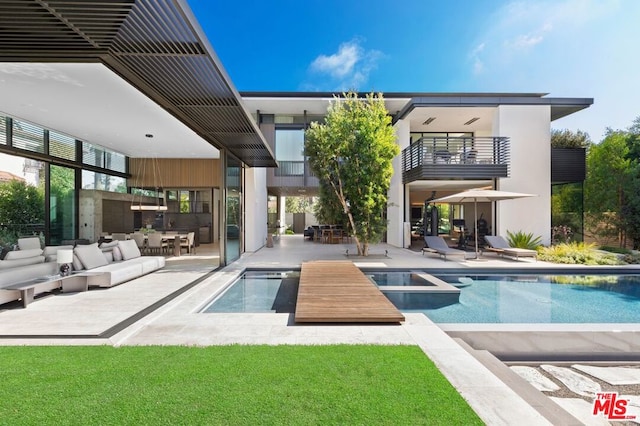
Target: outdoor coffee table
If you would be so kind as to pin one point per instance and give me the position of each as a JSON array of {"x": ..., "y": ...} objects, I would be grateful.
[{"x": 70, "y": 283}]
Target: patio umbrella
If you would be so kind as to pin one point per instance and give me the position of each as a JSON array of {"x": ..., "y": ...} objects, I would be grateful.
[{"x": 479, "y": 195}]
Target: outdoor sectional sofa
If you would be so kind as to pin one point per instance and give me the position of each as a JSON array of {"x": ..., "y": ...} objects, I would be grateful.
[
  {"x": 106, "y": 266},
  {"x": 114, "y": 263}
]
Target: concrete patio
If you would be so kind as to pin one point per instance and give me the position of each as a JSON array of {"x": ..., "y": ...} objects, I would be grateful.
[{"x": 163, "y": 309}]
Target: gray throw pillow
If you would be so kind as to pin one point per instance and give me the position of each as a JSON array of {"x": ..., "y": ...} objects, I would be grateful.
[
  {"x": 129, "y": 249},
  {"x": 90, "y": 256}
]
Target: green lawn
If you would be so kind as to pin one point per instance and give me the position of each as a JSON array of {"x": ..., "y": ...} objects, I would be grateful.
[{"x": 234, "y": 385}]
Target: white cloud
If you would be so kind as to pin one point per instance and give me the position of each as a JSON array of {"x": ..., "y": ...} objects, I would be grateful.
[
  {"x": 348, "y": 68},
  {"x": 339, "y": 64},
  {"x": 478, "y": 65}
]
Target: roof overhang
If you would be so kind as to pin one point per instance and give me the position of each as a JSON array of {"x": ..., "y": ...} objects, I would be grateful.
[
  {"x": 560, "y": 107},
  {"x": 155, "y": 45}
]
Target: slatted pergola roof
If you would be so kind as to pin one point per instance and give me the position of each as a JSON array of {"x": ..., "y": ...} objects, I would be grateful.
[{"x": 156, "y": 45}]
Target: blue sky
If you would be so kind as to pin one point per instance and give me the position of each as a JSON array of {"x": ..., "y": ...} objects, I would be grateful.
[{"x": 567, "y": 48}]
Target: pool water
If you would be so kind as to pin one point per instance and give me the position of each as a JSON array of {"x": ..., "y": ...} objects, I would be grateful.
[
  {"x": 259, "y": 292},
  {"x": 482, "y": 298},
  {"x": 538, "y": 299}
]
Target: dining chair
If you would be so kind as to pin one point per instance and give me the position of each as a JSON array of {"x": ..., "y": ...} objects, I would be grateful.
[
  {"x": 138, "y": 237},
  {"x": 155, "y": 243},
  {"x": 188, "y": 243}
]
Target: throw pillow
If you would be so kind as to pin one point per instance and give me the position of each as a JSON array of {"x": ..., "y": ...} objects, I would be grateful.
[
  {"x": 129, "y": 249},
  {"x": 77, "y": 265},
  {"x": 108, "y": 254},
  {"x": 90, "y": 256},
  {"x": 117, "y": 254},
  {"x": 108, "y": 245}
]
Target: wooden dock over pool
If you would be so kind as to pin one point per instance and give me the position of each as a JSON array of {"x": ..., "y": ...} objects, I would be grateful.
[{"x": 337, "y": 291}]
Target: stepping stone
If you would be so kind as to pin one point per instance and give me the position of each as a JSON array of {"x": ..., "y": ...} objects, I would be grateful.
[
  {"x": 581, "y": 410},
  {"x": 576, "y": 382},
  {"x": 535, "y": 378},
  {"x": 612, "y": 375}
]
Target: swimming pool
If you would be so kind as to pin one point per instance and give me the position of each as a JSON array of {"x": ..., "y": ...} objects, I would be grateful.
[
  {"x": 491, "y": 298},
  {"x": 257, "y": 292},
  {"x": 550, "y": 299}
]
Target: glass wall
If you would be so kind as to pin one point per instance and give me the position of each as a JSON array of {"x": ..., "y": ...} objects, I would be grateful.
[
  {"x": 233, "y": 243},
  {"x": 567, "y": 212},
  {"x": 62, "y": 204},
  {"x": 53, "y": 180}
]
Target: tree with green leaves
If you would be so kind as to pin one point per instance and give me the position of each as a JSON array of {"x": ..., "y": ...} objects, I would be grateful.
[
  {"x": 630, "y": 212},
  {"x": 351, "y": 153},
  {"x": 21, "y": 205},
  {"x": 568, "y": 139},
  {"x": 608, "y": 168}
]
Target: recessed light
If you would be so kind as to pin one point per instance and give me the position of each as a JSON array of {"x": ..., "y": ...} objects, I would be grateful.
[
  {"x": 428, "y": 121},
  {"x": 473, "y": 120}
]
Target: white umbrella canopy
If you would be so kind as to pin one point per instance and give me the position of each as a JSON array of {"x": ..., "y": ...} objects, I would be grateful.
[{"x": 482, "y": 196}]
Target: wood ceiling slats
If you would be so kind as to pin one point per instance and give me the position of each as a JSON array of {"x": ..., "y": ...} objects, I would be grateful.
[{"x": 153, "y": 45}]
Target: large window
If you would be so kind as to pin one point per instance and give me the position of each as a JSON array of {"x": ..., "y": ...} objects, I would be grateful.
[
  {"x": 233, "y": 241},
  {"x": 290, "y": 152},
  {"x": 103, "y": 182},
  {"x": 62, "y": 146},
  {"x": 28, "y": 136},
  {"x": 98, "y": 156}
]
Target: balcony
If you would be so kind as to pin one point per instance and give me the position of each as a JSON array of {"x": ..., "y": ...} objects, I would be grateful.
[
  {"x": 292, "y": 174},
  {"x": 469, "y": 158}
]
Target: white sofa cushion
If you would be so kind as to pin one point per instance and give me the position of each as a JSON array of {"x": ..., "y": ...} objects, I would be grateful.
[
  {"x": 77, "y": 265},
  {"x": 119, "y": 272},
  {"x": 129, "y": 249},
  {"x": 22, "y": 254},
  {"x": 25, "y": 261},
  {"x": 111, "y": 247},
  {"x": 29, "y": 243},
  {"x": 51, "y": 252},
  {"x": 90, "y": 256}
]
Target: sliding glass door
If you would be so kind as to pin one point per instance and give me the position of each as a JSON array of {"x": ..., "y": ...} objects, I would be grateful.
[{"x": 62, "y": 204}]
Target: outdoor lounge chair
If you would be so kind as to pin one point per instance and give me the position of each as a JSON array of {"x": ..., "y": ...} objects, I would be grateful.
[
  {"x": 439, "y": 246},
  {"x": 500, "y": 246}
]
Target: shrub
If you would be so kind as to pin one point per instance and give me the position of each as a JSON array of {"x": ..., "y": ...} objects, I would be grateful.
[
  {"x": 619, "y": 250},
  {"x": 523, "y": 240},
  {"x": 576, "y": 253},
  {"x": 561, "y": 234}
]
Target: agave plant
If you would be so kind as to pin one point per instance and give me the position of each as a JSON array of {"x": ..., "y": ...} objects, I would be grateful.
[{"x": 523, "y": 240}]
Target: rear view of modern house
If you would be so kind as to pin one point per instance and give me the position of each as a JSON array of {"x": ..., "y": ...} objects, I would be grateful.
[
  {"x": 449, "y": 142},
  {"x": 95, "y": 90}
]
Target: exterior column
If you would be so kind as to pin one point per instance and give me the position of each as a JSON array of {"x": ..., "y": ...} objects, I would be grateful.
[
  {"x": 529, "y": 130},
  {"x": 281, "y": 215},
  {"x": 255, "y": 195},
  {"x": 396, "y": 195}
]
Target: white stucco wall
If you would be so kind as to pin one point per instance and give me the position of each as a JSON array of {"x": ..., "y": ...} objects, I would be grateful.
[
  {"x": 396, "y": 197},
  {"x": 528, "y": 128},
  {"x": 255, "y": 223}
]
